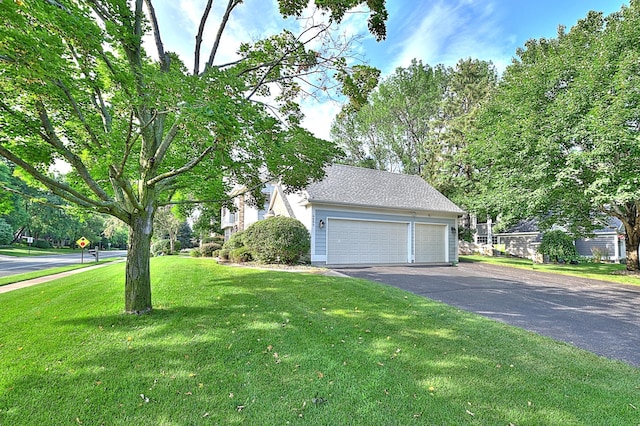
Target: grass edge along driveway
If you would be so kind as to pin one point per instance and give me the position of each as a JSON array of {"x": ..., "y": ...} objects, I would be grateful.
[
  {"x": 231, "y": 345},
  {"x": 611, "y": 272}
]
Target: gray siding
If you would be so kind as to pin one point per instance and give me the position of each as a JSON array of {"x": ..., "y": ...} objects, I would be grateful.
[
  {"x": 520, "y": 245},
  {"x": 604, "y": 244}
]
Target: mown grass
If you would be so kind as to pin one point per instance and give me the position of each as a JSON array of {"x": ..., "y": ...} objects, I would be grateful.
[
  {"x": 229, "y": 345},
  {"x": 45, "y": 272},
  {"x": 612, "y": 272}
]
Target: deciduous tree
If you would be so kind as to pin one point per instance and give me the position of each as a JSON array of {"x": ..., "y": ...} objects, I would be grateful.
[
  {"x": 395, "y": 129},
  {"x": 77, "y": 84},
  {"x": 560, "y": 140}
]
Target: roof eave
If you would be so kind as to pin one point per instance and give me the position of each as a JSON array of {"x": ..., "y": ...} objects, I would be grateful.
[{"x": 369, "y": 206}]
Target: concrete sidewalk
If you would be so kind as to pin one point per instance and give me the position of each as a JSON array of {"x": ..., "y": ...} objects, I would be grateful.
[{"x": 28, "y": 283}]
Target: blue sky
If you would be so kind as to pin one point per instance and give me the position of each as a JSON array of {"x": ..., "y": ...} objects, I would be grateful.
[
  {"x": 446, "y": 31},
  {"x": 434, "y": 31}
]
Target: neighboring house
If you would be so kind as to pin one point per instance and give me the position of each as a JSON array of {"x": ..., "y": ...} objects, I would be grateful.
[
  {"x": 606, "y": 244},
  {"x": 522, "y": 240},
  {"x": 362, "y": 216},
  {"x": 243, "y": 214}
]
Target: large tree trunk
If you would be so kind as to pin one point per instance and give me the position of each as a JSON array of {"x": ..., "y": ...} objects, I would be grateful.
[
  {"x": 138, "y": 277},
  {"x": 632, "y": 240}
]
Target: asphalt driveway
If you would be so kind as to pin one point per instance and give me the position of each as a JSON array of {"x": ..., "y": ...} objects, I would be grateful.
[{"x": 598, "y": 316}]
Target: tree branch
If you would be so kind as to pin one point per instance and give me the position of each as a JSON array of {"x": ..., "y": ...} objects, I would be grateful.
[
  {"x": 58, "y": 5},
  {"x": 203, "y": 20},
  {"x": 79, "y": 114},
  {"x": 166, "y": 142},
  {"x": 190, "y": 165},
  {"x": 122, "y": 184},
  {"x": 164, "y": 58},
  {"x": 101, "y": 11},
  {"x": 96, "y": 97},
  {"x": 75, "y": 161},
  {"x": 128, "y": 144},
  {"x": 246, "y": 191},
  {"x": 58, "y": 188},
  {"x": 223, "y": 23},
  {"x": 270, "y": 66}
]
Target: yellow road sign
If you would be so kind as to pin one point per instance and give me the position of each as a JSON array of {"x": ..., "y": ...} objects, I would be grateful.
[{"x": 83, "y": 242}]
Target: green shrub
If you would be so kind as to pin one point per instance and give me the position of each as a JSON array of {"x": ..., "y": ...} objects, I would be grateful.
[
  {"x": 235, "y": 241},
  {"x": 6, "y": 233},
  {"x": 161, "y": 247},
  {"x": 43, "y": 244},
  {"x": 240, "y": 254},
  {"x": 195, "y": 252},
  {"x": 217, "y": 239},
  {"x": 278, "y": 240},
  {"x": 224, "y": 254},
  {"x": 207, "y": 249},
  {"x": 558, "y": 246},
  {"x": 466, "y": 234}
]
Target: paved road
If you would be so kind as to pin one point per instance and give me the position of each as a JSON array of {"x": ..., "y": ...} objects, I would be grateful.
[
  {"x": 10, "y": 265},
  {"x": 598, "y": 316}
]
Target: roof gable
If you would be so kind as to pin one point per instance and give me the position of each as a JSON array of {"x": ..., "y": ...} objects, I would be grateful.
[{"x": 357, "y": 186}]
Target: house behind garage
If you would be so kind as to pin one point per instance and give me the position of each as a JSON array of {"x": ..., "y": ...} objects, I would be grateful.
[{"x": 359, "y": 216}]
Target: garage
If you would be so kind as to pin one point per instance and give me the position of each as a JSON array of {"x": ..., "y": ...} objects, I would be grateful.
[
  {"x": 430, "y": 241},
  {"x": 351, "y": 241}
]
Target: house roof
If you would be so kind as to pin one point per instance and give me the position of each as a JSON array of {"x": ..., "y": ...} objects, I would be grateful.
[{"x": 357, "y": 186}]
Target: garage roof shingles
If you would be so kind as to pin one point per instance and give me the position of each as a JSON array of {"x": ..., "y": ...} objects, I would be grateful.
[{"x": 358, "y": 186}]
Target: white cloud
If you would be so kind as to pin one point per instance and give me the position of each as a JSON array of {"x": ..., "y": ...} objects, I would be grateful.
[
  {"x": 449, "y": 32},
  {"x": 319, "y": 116}
]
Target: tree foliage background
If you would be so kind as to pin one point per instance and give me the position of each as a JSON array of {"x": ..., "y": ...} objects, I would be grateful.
[
  {"x": 417, "y": 121},
  {"x": 560, "y": 139}
]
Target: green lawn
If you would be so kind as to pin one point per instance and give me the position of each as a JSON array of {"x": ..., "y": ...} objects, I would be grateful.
[
  {"x": 229, "y": 345},
  {"x": 612, "y": 272}
]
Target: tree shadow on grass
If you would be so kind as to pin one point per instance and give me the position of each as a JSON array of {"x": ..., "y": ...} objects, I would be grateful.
[{"x": 272, "y": 348}]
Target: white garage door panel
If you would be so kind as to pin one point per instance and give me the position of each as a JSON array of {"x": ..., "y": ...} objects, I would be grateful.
[
  {"x": 430, "y": 243},
  {"x": 359, "y": 241}
]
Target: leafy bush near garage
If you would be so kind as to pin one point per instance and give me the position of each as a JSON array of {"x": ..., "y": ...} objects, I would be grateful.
[
  {"x": 6, "y": 233},
  {"x": 240, "y": 254},
  {"x": 278, "y": 240},
  {"x": 235, "y": 241},
  {"x": 558, "y": 246},
  {"x": 207, "y": 249}
]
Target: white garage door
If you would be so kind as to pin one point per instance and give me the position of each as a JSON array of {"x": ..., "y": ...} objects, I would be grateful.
[
  {"x": 359, "y": 241},
  {"x": 430, "y": 243}
]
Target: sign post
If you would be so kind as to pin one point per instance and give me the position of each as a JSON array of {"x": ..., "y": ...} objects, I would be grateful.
[{"x": 82, "y": 242}]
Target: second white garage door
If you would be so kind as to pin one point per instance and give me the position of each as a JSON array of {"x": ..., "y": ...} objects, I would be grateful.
[
  {"x": 430, "y": 243},
  {"x": 360, "y": 241}
]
